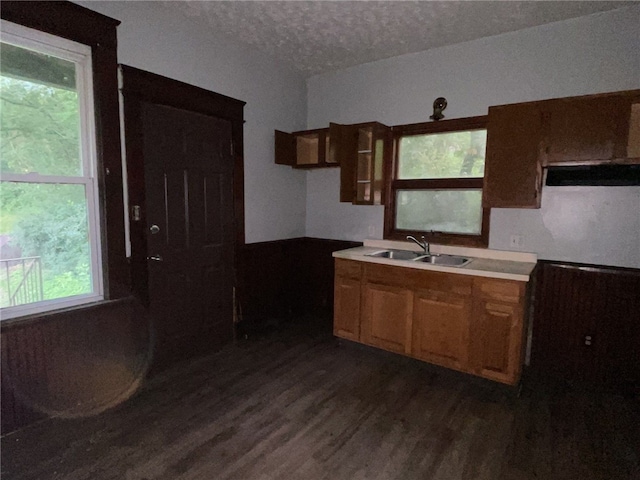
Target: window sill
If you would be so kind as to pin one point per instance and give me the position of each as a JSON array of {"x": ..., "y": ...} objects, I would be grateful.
[{"x": 52, "y": 315}]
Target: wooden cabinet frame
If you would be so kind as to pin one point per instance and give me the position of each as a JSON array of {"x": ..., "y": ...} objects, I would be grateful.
[
  {"x": 363, "y": 151},
  {"x": 441, "y": 328},
  {"x": 304, "y": 149},
  {"x": 524, "y": 138},
  {"x": 347, "y": 301},
  {"x": 472, "y": 324}
]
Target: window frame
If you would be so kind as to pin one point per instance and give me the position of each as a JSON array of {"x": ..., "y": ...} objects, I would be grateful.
[
  {"x": 80, "y": 55},
  {"x": 79, "y": 24},
  {"x": 393, "y": 184}
]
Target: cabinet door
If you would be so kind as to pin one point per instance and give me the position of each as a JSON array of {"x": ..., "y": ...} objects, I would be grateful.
[
  {"x": 361, "y": 150},
  {"x": 346, "y": 313},
  {"x": 373, "y": 145},
  {"x": 587, "y": 130},
  {"x": 386, "y": 317},
  {"x": 343, "y": 149},
  {"x": 496, "y": 340},
  {"x": 304, "y": 149},
  {"x": 441, "y": 328},
  {"x": 285, "y": 148},
  {"x": 513, "y": 175}
]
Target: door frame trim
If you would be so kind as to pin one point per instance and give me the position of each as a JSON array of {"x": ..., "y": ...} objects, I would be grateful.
[{"x": 139, "y": 86}]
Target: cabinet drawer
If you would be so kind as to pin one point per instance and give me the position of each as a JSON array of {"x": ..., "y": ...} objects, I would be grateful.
[
  {"x": 502, "y": 290},
  {"x": 420, "y": 279},
  {"x": 348, "y": 268},
  {"x": 388, "y": 275},
  {"x": 444, "y": 282}
]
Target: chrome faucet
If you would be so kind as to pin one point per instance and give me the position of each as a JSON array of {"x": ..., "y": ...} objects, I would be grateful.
[{"x": 424, "y": 244}]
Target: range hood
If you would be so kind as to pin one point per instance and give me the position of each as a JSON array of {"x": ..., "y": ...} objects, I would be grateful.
[{"x": 596, "y": 175}]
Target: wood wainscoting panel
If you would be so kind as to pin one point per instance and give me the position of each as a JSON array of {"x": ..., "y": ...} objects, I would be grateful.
[
  {"x": 279, "y": 279},
  {"x": 74, "y": 363},
  {"x": 587, "y": 324}
]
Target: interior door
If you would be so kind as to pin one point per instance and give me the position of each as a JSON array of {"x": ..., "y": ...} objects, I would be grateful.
[{"x": 188, "y": 172}]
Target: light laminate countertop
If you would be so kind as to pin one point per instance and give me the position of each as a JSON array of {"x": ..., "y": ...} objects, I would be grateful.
[{"x": 484, "y": 262}]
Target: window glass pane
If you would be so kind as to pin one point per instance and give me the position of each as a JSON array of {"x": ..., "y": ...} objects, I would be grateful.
[
  {"x": 442, "y": 155},
  {"x": 450, "y": 211},
  {"x": 39, "y": 114},
  {"x": 44, "y": 242}
]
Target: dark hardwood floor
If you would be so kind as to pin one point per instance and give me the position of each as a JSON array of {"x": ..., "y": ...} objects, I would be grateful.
[{"x": 298, "y": 404}]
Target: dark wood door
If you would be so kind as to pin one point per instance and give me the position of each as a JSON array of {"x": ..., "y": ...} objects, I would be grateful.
[{"x": 190, "y": 226}]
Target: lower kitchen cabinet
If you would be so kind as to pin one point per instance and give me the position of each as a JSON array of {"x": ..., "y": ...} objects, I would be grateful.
[
  {"x": 496, "y": 346},
  {"x": 471, "y": 324},
  {"x": 386, "y": 317},
  {"x": 441, "y": 323},
  {"x": 346, "y": 302}
]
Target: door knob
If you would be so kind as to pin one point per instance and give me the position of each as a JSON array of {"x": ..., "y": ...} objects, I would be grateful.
[
  {"x": 154, "y": 229},
  {"x": 155, "y": 258}
]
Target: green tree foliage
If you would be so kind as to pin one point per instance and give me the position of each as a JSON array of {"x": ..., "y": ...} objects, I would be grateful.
[
  {"x": 444, "y": 155},
  {"x": 40, "y": 133},
  {"x": 438, "y": 156},
  {"x": 40, "y": 129},
  {"x": 52, "y": 224}
]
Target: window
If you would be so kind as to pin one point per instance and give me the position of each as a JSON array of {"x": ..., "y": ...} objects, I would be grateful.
[
  {"x": 436, "y": 189},
  {"x": 50, "y": 255}
]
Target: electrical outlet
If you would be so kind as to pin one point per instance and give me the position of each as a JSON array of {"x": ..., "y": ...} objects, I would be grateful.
[
  {"x": 372, "y": 231},
  {"x": 516, "y": 241}
]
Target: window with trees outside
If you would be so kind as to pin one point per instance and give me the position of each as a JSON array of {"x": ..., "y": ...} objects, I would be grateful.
[
  {"x": 49, "y": 242},
  {"x": 436, "y": 184}
]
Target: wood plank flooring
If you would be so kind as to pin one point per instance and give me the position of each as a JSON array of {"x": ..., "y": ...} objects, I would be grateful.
[{"x": 296, "y": 404}]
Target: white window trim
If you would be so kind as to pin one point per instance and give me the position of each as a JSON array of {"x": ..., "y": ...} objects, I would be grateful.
[{"x": 81, "y": 55}]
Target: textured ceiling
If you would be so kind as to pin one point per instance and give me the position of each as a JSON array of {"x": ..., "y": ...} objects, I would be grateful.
[{"x": 321, "y": 36}]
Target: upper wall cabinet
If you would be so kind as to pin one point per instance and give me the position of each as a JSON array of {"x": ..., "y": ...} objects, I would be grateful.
[
  {"x": 523, "y": 138},
  {"x": 304, "y": 149},
  {"x": 362, "y": 150},
  {"x": 591, "y": 130},
  {"x": 512, "y": 171}
]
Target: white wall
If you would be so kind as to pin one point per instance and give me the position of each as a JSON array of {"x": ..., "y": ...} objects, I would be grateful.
[
  {"x": 591, "y": 54},
  {"x": 158, "y": 39}
]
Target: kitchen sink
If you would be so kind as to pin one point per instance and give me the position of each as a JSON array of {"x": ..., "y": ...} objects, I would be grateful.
[
  {"x": 446, "y": 260},
  {"x": 397, "y": 254}
]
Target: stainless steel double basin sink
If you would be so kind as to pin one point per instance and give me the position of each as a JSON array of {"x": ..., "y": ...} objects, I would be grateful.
[{"x": 445, "y": 260}]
